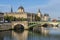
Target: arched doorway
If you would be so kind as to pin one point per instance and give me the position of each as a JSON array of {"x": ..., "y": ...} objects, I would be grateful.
[{"x": 19, "y": 27}]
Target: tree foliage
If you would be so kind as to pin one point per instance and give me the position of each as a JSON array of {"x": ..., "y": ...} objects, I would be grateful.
[
  {"x": 37, "y": 18},
  {"x": 11, "y": 18}
]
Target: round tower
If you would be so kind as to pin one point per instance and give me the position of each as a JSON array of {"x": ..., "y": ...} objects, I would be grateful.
[{"x": 39, "y": 13}]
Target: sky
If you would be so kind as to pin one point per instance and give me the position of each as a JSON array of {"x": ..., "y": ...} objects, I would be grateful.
[{"x": 51, "y": 7}]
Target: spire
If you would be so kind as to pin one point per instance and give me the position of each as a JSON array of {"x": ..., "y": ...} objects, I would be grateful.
[
  {"x": 11, "y": 9},
  {"x": 39, "y": 11}
]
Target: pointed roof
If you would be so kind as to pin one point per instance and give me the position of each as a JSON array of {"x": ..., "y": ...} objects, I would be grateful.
[
  {"x": 11, "y": 9},
  {"x": 39, "y": 11}
]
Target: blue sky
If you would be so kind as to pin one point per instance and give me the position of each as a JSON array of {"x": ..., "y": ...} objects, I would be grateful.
[{"x": 52, "y": 7}]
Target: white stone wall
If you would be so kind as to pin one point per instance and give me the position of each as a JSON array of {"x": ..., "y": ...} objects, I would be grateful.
[
  {"x": 21, "y": 15},
  {"x": 5, "y": 26}
]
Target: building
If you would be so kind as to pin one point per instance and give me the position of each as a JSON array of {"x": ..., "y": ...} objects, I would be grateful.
[
  {"x": 39, "y": 14},
  {"x": 46, "y": 17},
  {"x": 20, "y": 9},
  {"x": 22, "y": 14},
  {"x": 1, "y": 17},
  {"x": 26, "y": 15}
]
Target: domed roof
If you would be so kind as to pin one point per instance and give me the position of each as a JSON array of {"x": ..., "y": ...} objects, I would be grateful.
[
  {"x": 21, "y": 7},
  {"x": 46, "y": 14}
]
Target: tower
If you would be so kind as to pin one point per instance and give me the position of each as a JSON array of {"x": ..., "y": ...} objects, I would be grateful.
[
  {"x": 11, "y": 9},
  {"x": 20, "y": 9},
  {"x": 39, "y": 13},
  {"x": 46, "y": 17}
]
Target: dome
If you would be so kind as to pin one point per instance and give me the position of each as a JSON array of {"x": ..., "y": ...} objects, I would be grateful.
[
  {"x": 46, "y": 14},
  {"x": 21, "y": 7}
]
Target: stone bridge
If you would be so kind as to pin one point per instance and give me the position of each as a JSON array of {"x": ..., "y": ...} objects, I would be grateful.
[
  {"x": 21, "y": 23},
  {"x": 45, "y": 22}
]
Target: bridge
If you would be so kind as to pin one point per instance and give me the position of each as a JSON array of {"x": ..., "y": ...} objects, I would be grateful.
[
  {"x": 23, "y": 24},
  {"x": 42, "y": 23},
  {"x": 38, "y": 22},
  {"x": 27, "y": 25},
  {"x": 16, "y": 24}
]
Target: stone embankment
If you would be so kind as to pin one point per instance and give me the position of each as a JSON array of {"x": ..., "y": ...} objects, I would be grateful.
[{"x": 5, "y": 26}]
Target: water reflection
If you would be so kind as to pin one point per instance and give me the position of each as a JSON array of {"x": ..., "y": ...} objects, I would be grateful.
[
  {"x": 34, "y": 36},
  {"x": 5, "y": 35},
  {"x": 20, "y": 36},
  {"x": 26, "y": 35}
]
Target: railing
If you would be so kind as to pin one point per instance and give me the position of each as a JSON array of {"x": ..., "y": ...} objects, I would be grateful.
[{"x": 38, "y": 22}]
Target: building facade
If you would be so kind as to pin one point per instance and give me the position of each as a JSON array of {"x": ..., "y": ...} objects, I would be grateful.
[
  {"x": 22, "y": 14},
  {"x": 1, "y": 17},
  {"x": 29, "y": 16}
]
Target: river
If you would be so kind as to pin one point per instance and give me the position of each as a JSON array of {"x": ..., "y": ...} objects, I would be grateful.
[{"x": 26, "y": 35}]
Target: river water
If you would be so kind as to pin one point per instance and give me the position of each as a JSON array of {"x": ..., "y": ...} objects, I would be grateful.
[{"x": 26, "y": 35}]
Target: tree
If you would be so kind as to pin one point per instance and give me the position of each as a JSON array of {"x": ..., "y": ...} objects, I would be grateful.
[
  {"x": 37, "y": 18},
  {"x": 15, "y": 18},
  {"x": 6, "y": 18},
  {"x": 18, "y": 19},
  {"x": 23, "y": 19},
  {"x": 9, "y": 18}
]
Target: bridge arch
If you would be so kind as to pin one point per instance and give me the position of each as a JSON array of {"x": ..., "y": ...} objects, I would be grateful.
[
  {"x": 45, "y": 25},
  {"x": 21, "y": 23},
  {"x": 19, "y": 27}
]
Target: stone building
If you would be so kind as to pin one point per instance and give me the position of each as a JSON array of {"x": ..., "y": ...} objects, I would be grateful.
[
  {"x": 20, "y": 9},
  {"x": 21, "y": 14},
  {"x": 1, "y": 17},
  {"x": 29, "y": 16},
  {"x": 39, "y": 14},
  {"x": 45, "y": 17}
]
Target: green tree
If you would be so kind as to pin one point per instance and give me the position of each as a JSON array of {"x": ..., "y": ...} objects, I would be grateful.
[
  {"x": 9, "y": 18},
  {"x": 23, "y": 19},
  {"x": 6, "y": 18},
  {"x": 15, "y": 18},
  {"x": 37, "y": 18},
  {"x": 18, "y": 19}
]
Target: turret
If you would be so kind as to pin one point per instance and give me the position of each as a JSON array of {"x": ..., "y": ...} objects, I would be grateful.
[{"x": 39, "y": 13}]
